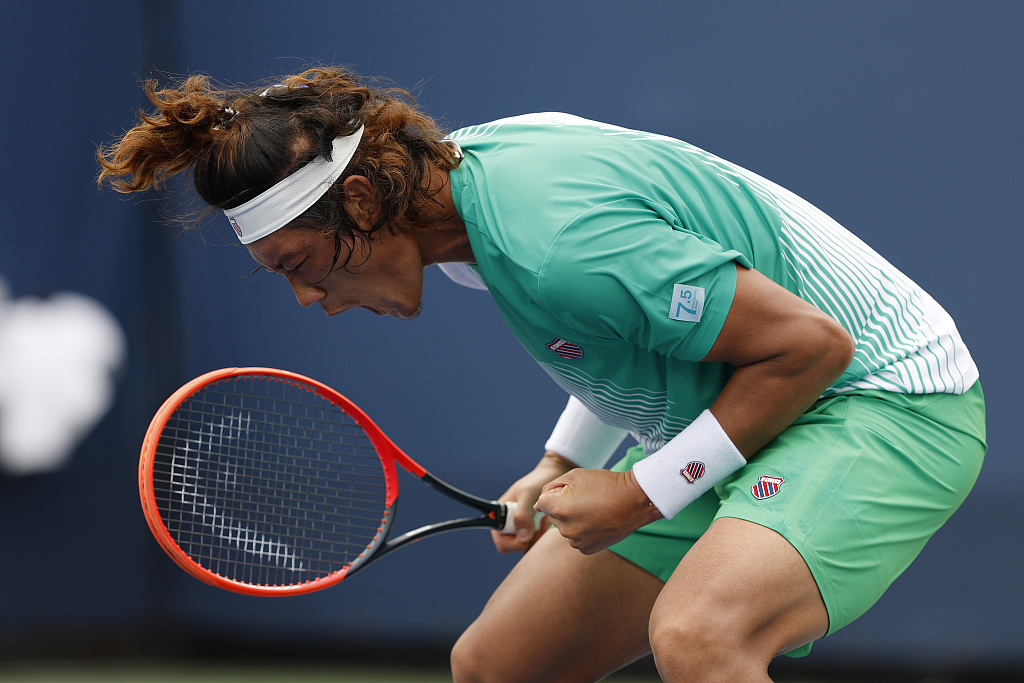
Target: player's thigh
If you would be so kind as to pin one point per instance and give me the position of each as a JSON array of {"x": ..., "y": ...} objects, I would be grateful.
[
  {"x": 743, "y": 591},
  {"x": 859, "y": 484},
  {"x": 560, "y": 615}
]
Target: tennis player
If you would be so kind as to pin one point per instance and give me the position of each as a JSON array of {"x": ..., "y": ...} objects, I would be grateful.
[{"x": 806, "y": 416}]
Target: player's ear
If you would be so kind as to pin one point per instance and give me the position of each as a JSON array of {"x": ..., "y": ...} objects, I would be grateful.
[{"x": 361, "y": 201}]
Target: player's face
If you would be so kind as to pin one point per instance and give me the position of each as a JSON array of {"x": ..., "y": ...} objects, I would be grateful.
[{"x": 386, "y": 279}]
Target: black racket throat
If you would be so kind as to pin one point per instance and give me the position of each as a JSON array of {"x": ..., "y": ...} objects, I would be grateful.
[{"x": 495, "y": 516}]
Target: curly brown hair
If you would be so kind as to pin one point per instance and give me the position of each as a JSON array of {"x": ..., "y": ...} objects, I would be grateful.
[{"x": 239, "y": 141}]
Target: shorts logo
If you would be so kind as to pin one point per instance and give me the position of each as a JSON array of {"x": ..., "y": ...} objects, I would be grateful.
[
  {"x": 766, "y": 487},
  {"x": 565, "y": 349},
  {"x": 693, "y": 471},
  {"x": 687, "y": 303}
]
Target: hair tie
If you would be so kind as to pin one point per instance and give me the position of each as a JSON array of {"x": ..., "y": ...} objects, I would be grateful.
[
  {"x": 225, "y": 115},
  {"x": 279, "y": 85}
]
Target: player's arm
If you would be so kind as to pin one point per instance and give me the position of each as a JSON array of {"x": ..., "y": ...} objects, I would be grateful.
[{"x": 786, "y": 353}]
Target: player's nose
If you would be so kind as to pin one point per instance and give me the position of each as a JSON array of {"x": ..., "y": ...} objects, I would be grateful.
[{"x": 306, "y": 294}]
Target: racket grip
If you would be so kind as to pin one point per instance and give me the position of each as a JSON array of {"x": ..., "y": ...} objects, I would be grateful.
[{"x": 510, "y": 524}]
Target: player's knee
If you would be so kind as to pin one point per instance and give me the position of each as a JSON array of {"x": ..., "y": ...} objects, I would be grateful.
[
  {"x": 470, "y": 663},
  {"x": 690, "y": 648},
  {"x": 465, "y": 665}
]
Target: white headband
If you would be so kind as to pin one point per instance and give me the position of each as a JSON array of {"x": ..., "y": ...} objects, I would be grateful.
[{"x": 277, "y": 206}]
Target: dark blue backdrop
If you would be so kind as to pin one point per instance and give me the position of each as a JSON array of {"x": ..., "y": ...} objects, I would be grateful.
[{"x": 902, "y": 119}]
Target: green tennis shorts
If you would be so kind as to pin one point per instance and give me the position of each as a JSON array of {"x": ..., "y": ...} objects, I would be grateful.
[{"x": 858, "y": 485}]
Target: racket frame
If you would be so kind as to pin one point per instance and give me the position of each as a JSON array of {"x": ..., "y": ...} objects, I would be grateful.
[{"x": 496, "y": 514}]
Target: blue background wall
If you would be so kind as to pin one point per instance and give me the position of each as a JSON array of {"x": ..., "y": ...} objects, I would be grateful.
[{"x": 902, "y": 119}]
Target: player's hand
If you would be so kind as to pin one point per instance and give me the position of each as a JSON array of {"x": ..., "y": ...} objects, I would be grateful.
[
  {"x": 525, "y": 492},
  {"x": 595, "y": 509}
]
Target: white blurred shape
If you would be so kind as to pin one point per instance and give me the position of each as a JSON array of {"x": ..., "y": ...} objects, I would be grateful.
[{"x": 57, "y": 359}]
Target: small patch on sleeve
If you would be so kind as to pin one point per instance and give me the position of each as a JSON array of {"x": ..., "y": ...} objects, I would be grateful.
[{"x": 687, "y": 303}]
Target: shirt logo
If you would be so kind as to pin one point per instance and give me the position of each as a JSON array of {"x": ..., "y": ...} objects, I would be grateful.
[
  {"x": 687, "y": 303},
  {"x": 693, "y": 471},
  {"x": 566, "y": 349},
  {"x": 766, "y": 487}
]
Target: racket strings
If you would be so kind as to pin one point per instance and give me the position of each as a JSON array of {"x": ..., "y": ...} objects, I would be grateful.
[{"x": 265, "y": 482}]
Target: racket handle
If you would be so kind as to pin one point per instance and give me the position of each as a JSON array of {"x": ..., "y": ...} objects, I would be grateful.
[{"x": 510, "y": 524}]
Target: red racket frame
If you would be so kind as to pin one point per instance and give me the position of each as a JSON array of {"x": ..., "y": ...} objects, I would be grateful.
[{"x": 497, "y": 515}]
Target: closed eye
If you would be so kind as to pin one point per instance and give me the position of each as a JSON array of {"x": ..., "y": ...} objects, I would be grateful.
[{"x": 296, "y": 267}]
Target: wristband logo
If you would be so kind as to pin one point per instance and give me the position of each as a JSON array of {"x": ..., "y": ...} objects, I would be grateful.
[
  {"x": 766, "y": 487},
  {"x": 693, "y": 471}
]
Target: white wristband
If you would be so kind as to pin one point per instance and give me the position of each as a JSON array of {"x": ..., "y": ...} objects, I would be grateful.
[
  {"x": 580, "y": 436},
  {"x": 688, "y": 466}
]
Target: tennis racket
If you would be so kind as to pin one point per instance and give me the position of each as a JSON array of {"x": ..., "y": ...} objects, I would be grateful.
[{"x": 265, "y": 482}]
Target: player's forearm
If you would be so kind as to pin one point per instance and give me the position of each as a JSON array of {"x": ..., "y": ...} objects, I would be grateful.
[{"x": 762, "y": 399}]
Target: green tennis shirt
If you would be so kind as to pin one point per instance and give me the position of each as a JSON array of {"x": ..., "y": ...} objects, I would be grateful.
[{"x": 611, "y": 255}]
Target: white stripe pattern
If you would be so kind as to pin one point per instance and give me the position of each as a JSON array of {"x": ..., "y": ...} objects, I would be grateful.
[{"x": 906, "y": 342}]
